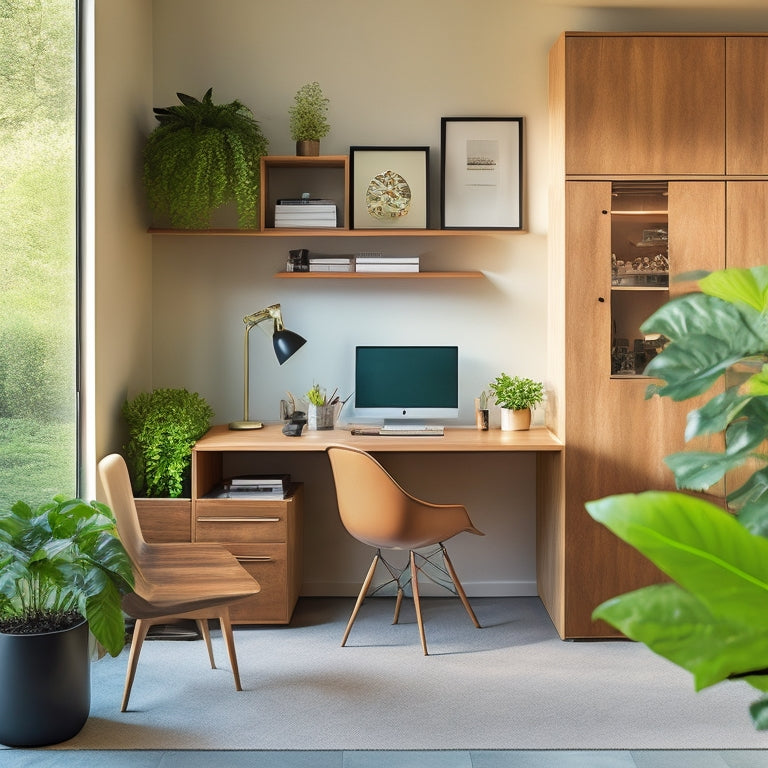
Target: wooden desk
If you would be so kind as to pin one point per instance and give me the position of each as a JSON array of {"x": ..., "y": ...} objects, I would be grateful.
[
  {"x": 277, "y": 560},
  {"x": 459, "y": 439}
]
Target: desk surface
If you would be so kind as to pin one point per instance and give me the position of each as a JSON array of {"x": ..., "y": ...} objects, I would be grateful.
[{"x": 456, "y": 439}]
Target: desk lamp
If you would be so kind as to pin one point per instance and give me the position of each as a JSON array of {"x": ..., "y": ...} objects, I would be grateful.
[{"x": 285, "y": 343}]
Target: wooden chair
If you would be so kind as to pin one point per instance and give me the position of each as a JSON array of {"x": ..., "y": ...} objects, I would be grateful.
[
  {"x": 378, "y": 512},
  {"x": 173, "y": 581}
]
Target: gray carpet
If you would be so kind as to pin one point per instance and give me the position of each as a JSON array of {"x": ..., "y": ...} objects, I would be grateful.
[{"x": 511, "y": 685}]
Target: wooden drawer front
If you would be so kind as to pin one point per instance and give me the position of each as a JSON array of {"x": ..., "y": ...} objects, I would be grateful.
[
  {"x": 268, "y": 564},
  {"x": 165, "y": 520},
  {"x": 241, "y": 521}
]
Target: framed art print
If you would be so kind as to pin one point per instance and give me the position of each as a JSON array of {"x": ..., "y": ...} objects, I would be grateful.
[
  {"x": 390, "y": 187},
  {"x": 481, "y": 184}
]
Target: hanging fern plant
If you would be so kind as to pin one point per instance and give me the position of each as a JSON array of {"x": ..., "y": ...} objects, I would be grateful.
[{"x": 202, "y": 156}]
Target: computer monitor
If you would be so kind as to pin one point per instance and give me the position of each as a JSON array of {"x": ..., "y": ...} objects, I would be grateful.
[{"x": 403, "y": 383}]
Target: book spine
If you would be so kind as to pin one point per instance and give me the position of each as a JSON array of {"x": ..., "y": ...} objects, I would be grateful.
[{"x": 387, "y": 267}]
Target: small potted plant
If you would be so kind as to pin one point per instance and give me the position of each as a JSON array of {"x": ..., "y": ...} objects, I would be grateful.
[
  {"x": 481, "y": 411},
  {"x": 321, "y": 411},
  {"x": 63, "y": 572},
  {"x": 202, "y": 156},
  {"x": 308, "y": 121},
  {"x": 516, "y": 396}
]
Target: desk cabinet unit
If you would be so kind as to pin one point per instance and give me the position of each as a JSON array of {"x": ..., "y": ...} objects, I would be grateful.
[{"x": 265, "y": 535}]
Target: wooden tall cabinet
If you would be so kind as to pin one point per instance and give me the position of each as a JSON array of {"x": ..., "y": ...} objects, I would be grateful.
[{"x": 644, "y": 147}]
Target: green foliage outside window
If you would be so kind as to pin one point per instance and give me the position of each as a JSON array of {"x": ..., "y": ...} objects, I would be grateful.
[{"x": 38, "y": 430}]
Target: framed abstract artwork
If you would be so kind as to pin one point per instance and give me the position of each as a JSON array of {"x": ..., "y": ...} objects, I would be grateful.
[
  {"x": 481, "y": 180},
  {"x": 389, "y": 187}
]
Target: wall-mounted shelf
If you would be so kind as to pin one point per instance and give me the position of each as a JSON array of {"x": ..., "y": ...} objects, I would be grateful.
[
  {"x": 337, "y": 232},
  {"x": 376, "y": 275}
]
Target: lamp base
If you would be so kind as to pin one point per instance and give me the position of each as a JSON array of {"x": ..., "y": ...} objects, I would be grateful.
[{"x": 246, "y": 425}]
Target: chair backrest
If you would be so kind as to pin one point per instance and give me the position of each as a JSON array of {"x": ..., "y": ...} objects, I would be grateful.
[
  {"x": 117, "y": 487},
  {"x": 377, "y": 511}
]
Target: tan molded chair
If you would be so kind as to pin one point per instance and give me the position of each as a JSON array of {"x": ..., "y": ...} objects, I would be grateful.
[
  {"x": 173, "y": 581},
  {"x": 377, "y": 511}
]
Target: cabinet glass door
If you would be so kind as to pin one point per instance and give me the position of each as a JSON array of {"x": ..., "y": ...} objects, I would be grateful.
[{"x": 639, "y": 270}]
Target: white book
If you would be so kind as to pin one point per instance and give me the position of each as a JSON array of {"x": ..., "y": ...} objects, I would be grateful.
[
  {"x": 387, "y": 259},
  {"x": 331, "y": 267},
  {"x": 305, "y": 209},
  {"x": 387, "y": 267},
  {"x": 305, "y": 223},
  {"x": 330, "y": 260}
]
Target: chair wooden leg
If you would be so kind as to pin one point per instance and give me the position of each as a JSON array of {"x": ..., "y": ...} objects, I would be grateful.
[
  {"x": 361, "y": 597},
  {"x": 226, "y": 631},
  {"x": 140, "y": 629},
  {"x": 459, "y": 589},
  {"x": 202, "y": 625},
  {"x": 398, "y": 603},
  {"x": 417, "y": 602}
]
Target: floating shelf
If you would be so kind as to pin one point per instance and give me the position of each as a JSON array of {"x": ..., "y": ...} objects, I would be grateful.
[{"x": 376, "y": 275}]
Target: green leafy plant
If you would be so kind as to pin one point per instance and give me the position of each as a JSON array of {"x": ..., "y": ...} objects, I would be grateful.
[
  {"x": 516, "y": 393},
  {"x": 712, "y": 621},
  {"x": 307, "y": 114},
  {"x": 163, "y": 426},
  {"x": 316, "y": 396},
  {"x": 60, "y": 564},
  {"x": 201, "y": 156}
]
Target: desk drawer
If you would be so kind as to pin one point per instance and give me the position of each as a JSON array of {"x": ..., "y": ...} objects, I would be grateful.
[
  {"x": 225, "y": 520},
  {"x": 268, "y": 564}
]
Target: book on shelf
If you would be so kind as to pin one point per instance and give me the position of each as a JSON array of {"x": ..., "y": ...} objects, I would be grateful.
[
  {"x": 305, "y": 210},
  {"x": 305, "y": 223},
  {"x": 331, "y": 267},
  {"x": 258, "y": 481},
  {"x": 306, "y": 201},
  {"x": 379, "y": 259},
  {"x": 388, "y": 267},
  {"x": 317, "y": 259}
]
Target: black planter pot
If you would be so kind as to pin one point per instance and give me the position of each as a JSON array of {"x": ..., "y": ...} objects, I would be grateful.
[{"x": 45, "y": 686}]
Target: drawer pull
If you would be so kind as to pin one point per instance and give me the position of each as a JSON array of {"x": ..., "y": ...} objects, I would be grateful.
[
  {"x": 254, "y": 558},
  {"x": 238, "y": 519}
]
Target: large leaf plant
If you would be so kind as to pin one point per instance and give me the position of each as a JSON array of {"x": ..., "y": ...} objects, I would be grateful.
[
  {"x": 60, "y": 564},
  {"x": 712, "y": 620},
  {"x": 201, "y": 156}
]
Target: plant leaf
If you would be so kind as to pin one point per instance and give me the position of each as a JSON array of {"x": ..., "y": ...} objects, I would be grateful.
[{"x": 745, "y": 286}]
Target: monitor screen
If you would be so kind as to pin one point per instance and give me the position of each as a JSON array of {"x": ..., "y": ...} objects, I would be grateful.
[{"x": 406, "y": 383}]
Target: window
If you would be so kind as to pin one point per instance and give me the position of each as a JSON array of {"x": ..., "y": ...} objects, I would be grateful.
[{"x": 38, "y": 250}]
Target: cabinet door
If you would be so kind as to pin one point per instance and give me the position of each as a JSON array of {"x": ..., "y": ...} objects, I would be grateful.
[
  {"x": 747, "y": 214},
  {"x": 616, "y": 439},
  {"x": 746, "y": 100},
  {"x": 645, "y": 104}
]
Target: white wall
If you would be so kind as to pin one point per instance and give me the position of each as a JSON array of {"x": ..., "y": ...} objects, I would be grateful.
[{"x": 390, "y": 74}]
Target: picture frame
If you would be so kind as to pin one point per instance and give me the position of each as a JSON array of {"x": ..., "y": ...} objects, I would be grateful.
[
  {"x": 481, "y": 172},
  {"x": 389, "y": 187}
]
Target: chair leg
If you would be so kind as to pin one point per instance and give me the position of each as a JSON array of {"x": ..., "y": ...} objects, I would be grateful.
[
  {"x": 226, "y": 631},
  {"x": 140, "y": 629},
  {"x": 398, "y": 603},
  {"x": 202, "y": 625},
  {"x": 361, "y": 596},
  {"x": 417, "y": 602},
  {"x": 459, "y": 589}
]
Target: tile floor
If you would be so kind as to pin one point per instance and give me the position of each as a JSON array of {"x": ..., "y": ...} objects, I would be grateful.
[{"x": 26, "y": 758}]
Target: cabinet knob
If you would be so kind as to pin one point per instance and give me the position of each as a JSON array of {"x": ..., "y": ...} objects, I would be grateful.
[{"x": 601, "y": 298}]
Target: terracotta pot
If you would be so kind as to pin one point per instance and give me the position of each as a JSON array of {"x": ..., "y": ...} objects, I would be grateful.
[
  {"x": 513, "y": 421},
  {"x": 45, "y": 686},
  {"x": 308, "y": 148}
]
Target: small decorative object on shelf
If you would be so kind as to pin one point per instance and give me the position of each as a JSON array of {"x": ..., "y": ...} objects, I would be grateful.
[
  {"x": 308, "y": 121},
  {"x": 482, "y": 419}
]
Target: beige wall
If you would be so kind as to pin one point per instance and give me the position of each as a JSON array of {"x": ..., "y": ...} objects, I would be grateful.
[{"x": 390, "y": 75}]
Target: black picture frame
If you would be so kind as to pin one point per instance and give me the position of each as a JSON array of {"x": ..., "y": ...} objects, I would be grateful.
[
  {"x": 371, "y": 170},
  {"x": 481, "y": 173}
]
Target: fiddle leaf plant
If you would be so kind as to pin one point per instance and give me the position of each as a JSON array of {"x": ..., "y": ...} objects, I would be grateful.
[
  {"x": 712, "y": 620},
  {"x": 60, "y": 564},
  {"x": 201, "y": 156}
]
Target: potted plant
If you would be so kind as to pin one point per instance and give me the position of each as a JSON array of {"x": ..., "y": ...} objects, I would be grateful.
[
  {"x": 63, "y": 572},
  {"x": 201, "y": 156},
  {"x": 516, "y": 396},
  {"x": 308, "y": 122},
  {"x": 163, "y": 426},
  {"x": 712, "y": 621}
]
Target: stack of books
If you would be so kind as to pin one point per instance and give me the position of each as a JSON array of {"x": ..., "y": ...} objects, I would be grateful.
[
  {"x": 331, "y": 263},
  {"x": 305, "y": 213},
  {"x": 256, "y": 487},
  {"x": 377, "y": 262}
]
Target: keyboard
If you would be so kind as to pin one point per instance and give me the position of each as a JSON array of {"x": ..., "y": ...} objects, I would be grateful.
[{"x": 425, "y": 430}]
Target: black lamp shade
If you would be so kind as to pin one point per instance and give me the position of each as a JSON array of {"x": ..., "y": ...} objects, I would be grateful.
[{"x": 286, "y": 343}]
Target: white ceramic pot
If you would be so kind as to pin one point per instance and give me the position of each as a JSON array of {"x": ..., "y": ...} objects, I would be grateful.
[{"x": 513, "y": 421}]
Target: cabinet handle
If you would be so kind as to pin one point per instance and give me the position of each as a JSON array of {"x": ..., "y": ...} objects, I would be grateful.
[
  {"x": 253, "y": 559},
  {"x": 238, "y": 519}
]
